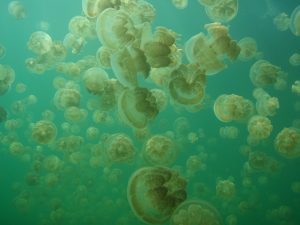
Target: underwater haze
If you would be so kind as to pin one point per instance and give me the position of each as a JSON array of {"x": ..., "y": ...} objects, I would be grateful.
[{"x": 131, "y": 112}]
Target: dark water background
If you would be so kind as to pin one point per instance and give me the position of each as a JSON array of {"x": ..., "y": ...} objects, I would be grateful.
[{"x": 107, "y": 202}]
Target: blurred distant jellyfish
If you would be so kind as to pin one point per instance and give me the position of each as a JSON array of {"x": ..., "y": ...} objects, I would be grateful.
[
  {"x": 43, "y": 132},
  {"x": 296, "y": 87},
  {"x": 295, "y": 21},
  {"x": 248, "y": 49},
  {"x": 17, "y": 10},
  {"x": 180, "y": 4},
  {"x": 3, "y": 114},
  {"x": 287, "y": 142},
  {"x": 294, "y": 59},
  {"x": 225, "y": 189},
  {"x": 265, "y": 104},
  {"x": 282, "y": 21},
  {"x": 229, "y": 132}
]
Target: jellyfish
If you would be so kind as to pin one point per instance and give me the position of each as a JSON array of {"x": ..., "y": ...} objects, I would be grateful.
[
  {"x": 180, "y": 4},
  {"x": 248, "y": 49},
  {"x": 232, "y": 107},
  {"x": 3, "y": 114},
  {"x": 161, "y": 98},
  {"x": 39, "y": 42},
  {"x": 80, "y": 26},
  {"x": 294, "y": 59},
  {"x": 92, "y": 8},
  {"x": 160, "y": 150},
  {"x": 74, "y": 114},
  {"x": 187, "y": 85},
  {"x": 137, "y": 107},
  {"x": 66, "y": 97},
  {"x": 95, "y": 80},
  {"x": 296, "y": 87},
  {"x": 229, "y": 132},
  {"x": 7, "y": 77},
  {"x": 223, "y": 11},
  {"x": 287, "y": 142},
  {"x": 282, "y": 21},
  {"x": 103, "y": 56},
  {"x": 17, "y": 10},
  {"x": 119, "y": 148},
  {"x": 2, "y": 51},
  {"x": 259, "y": 127},
  {"x": 258, "y": 161},
  {"x": 73, "y": 42},
  {"x": 196, "y": 212},
  {"x": 154, "y": 193},
  {"x": 295, "y": 21},
  {"x": 43, "y": 132},
  {"x": 225, "y": 189},
  {"x": 265, "y": 104}
]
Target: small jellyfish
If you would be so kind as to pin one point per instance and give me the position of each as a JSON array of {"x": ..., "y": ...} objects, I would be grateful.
[
  {"x": 196, "y": 212},
  {"x": 80, "y": 26},
  {"x": 43, "y": 132},
  {"x": 180, "y": 4},
  {"x": 223, "y": 11},
  {"x": 225, "y": 189},
  {"x": 154, "y": 193},
  {"x": 294, "y": 59},
  {"x": 259, "y": 127},
  {"x": 295, "y": 21},
  {"x": 248, "y": 49},
  {"x": 92, "y": 8},
  {"x": 94, "y": 80},
  {"x": 282, "y": 21},
  {"x": 160, "y": 150},
  {"x": 17, "y": 10},
  {"x": 287, "y": 142},
  {"x": 39, "y": 42},
  {"x": 229, "y": 132},
  {"x": 265, "y": 104},
  {"x": 66, "y": 97},
  {"x": 296, "y": 87},
  {"x": 74, "y": 114}
]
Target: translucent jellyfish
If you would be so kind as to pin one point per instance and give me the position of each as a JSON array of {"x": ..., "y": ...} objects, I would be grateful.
[
  {"x": 154, "y": 193},
  {"x": 67, "y": 97},
  {"x": 258, "y": 161},
  {"x": 282, "y": 21},
  {"x": 16, "y": 148},
  {"x": 263, "y": 73},
  {"x": 43, "y": 132},
  {"x": 73, "y": 42},
  {"x": 92, "y": 133},
  {"x": 160, "y": 150},
  {"x": 119, "y": 148},
  {"x": 137, "y": 107},
  {"x": 115, "y": 28},
  {"x": 287, "y": 142},
  {"x": 232, "y": 107},
  {"x": 265, "y": 104},
  {"x": 180, "y": 4},
  {"x": 95, "y": 80},
  {"x": 80, "y": 26},
  {"x": 17, "y": 10},
  {"x": 92, "y": 8},
  {"x": 196, "y": 212},
  {"x": 294, "y": 59},
  {"x": 2, "y": 51},
  {"x": 74, "y": 114},
  {"x": 103, "y": 56},
  {"x": 248, "y": 49},
  {"x": 225, "y": 189},
  {"x": 209, "y": 2},
  {"x": 296, "y": 87},
  {"x": 259, "y": 127},
  {"x": 229, "y": 132},
  {"x": 295, "y": 21},
  {"x": 52, "y": 163},
  {"x": 194, "y": 163},
  {"x": 21, "y": 87},
  {"x": 7, "y": 77},
  {"x": 3, "y": 114},
  {"x": 161, "y": 98},
  {"x": 187, "y": 85},
  {"x": 223, "y": 11},
  {"x": 39, "y": 42}
]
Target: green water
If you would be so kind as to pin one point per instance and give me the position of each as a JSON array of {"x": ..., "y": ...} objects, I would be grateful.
[{"x": 86, "y": 194}]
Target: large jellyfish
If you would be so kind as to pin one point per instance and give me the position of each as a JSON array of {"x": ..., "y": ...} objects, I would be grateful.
[{"x": 154, "y": 193}]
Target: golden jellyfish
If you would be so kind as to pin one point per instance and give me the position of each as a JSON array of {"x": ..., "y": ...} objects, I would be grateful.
[
  {"x": 43, "y": 132},
  {"x": 160, "y": 150},
  {"x": 92, "y": 8},
  {"x": 39, "y": 42},
  {"x": 229, "y": 132},
  {"x": 180, "y": 4},
  {"x": 194, "y": 163},
  {"x": 282, "y": 21},
  {"x": 7, "y": 77},
  {"x": 52, "y": 163},
  {"x": 74, "y": 114},
  {"x": 259, "y": 127},
  {"x": 154, "y": 193},
  {"x": 115, "y": 28},
  {"x": 74, "y": 43},
  {"x": 119, "y": 148},
  {"x": 92, "y": 133},
  {"x": 80, "y": 26},
  {"x": 233, "y": 107},
  {"x": 187, "y": 85},
  {"x": 265, "y": 104},
  {"x": 95, "y": 80},
  {"x": 17, "y": 10},
  {"x": 248, "y": 48},
  {"x": 225, "y": 189},
  {"x": 103, "y": 57},
  {"x": 196, "y": 212},
  {"x": 2, "y": 51},
  {"x": 223, "y": 11},
  {"x": 70, "y": 69},
  {"x": 296, "y": 87},
  {"x": 295, "y": 21},
  {"x": 294, "y": 59},
  {"x": 287, "y": 142},
  {"x": 66, "y": 97},
  {"x": 17, "y": 148},
  {"x": 161, "y": 98},
  {"x": 263, "y": 73},
  {"x": 258, "y": 161},
  {"x": 137, "y": 107}
]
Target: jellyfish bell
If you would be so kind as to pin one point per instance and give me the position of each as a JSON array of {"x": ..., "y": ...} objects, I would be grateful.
[
  {"x": 17, "y": 10},
  {"x": 95, "y": 80},
  {"x": 66, "y": 97},
  {"x": 43, "y": 132},
  {"x": 259, "y": 127},
  {"x": 196, "y": 212},
  {"x": 92, "y": 8},
  {"x": 248, "y": 49},
  {"x": 223, "y": 11},
  {"x": 295, "y": 21},
  {"x": 154, "y": 193},
  {"x": 39, "y": 42},
  {"x": 287, "y": 142}
]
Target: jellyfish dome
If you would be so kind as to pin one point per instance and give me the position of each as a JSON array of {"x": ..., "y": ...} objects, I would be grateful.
[
  {"x": 95, "y": 80},
  {"x": 43, "y": 132},
  {"x": 39, "y": 42},
  {"x": 154, "y": 193},
  {"x": 295, "y": 21},
  {"x": 287, "y": 142}
]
